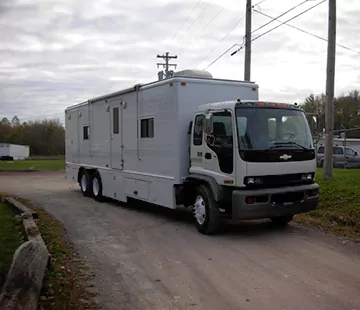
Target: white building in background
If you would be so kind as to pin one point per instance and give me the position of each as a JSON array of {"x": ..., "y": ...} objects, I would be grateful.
[{"x": 14, "y": 151}]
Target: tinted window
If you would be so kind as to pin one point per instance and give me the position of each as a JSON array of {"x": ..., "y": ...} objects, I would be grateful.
[
  {"x": 338, "y": 151},
  {"x": 198, "y": 130},
  {"x": 350, "y": 152},
  {"x": 223, "y": 142},
  {"x": 321, "y": 150},
  {"x": 86, "y": 132},
  {"x": 116, "y": 120},
  {"x": 266, "y": 127},
  {"x": 147, "y": 128}
]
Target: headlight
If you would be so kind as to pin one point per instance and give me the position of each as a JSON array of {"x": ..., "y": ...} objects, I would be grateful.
[
  {"x": 252, "y": 181},
  {"x": 307, "y": 177}
]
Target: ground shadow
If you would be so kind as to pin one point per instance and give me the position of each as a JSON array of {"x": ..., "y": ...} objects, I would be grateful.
[{"x": 185, "y": 217}]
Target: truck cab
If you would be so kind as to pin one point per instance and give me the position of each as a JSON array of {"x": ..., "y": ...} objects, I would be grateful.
[{"x": 250, "y": 160}]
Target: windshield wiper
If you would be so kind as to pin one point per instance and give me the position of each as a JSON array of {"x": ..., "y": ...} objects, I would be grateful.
[{"x": 280, "y": 144}]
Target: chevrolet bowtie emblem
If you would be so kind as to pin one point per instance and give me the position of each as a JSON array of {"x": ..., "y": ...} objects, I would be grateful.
[{"x": 285, "y": 157}]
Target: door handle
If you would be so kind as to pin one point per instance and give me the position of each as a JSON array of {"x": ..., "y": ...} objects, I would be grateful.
[{"x": 207, "y": 156}]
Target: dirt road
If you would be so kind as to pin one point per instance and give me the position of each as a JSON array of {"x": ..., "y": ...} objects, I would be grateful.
[{"x": 146, "y": 258}]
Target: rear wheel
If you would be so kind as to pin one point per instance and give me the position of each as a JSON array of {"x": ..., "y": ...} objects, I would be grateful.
[
  {"x": 282, "y": 220},
  {"x": 97, "y": 189},
  {"x": 85, "y": 183},
  {"x": 206, "y": 211}
]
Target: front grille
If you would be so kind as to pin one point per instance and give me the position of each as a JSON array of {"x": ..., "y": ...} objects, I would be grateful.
[
  {"x": 269, "y": 181},
  {"x": 282, "y": 179}
]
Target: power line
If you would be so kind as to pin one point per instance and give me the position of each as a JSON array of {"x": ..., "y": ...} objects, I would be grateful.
[
  {"x": 223, "y": 55},
  {"x": 222, "y": 40},
  {"x": 194, "y": 21},
  {"x": 304, "y": 31},
  {"x": 288, "y": 11},
  {"x": 209, "y": 23},
  {"x": 214, "y": 18},
  {"x": 266, "y": 32},
  {"x": 193, "y": 10},
  {"x": 259, "y": 36},
  {"x": 256, "y": 4}
]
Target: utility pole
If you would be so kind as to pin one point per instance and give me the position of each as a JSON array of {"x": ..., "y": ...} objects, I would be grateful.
[
  {"x": 248, "y": 41},
  {"x": 166, "y": 65},
  {"x": 330, "y": 81}
]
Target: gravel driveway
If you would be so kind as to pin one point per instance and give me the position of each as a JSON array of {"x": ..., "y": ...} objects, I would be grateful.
[{"x": 148, "y": 258}]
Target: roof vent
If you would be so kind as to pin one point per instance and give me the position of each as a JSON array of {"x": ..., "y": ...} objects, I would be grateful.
[{"x": 194, "y": 73}]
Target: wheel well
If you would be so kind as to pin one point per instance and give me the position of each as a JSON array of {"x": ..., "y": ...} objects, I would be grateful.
[{"x": 186, "y": 192}]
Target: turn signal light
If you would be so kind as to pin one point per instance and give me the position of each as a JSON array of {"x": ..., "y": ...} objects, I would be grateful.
[
  {"x": 250, "y": 200},
  {"x": 313, "y": 193}
]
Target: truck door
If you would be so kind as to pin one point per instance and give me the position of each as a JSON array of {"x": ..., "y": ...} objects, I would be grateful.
[
  {"x": 213, "y": 154},
  {"x": 219, "y": 154},
  {"x": 116, "y": 135}
]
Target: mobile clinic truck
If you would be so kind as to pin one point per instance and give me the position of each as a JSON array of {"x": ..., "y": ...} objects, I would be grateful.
[{"x": 188, "y": 141}]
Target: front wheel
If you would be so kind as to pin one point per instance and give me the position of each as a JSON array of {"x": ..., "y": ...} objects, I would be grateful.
[
  {"x": 206, "y": 211},
  {"x": 282, "y": 220}
]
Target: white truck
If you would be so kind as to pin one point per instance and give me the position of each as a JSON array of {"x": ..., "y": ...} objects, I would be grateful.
[
  {"x": 195, "y": 141},
  {"x": 10, "y": 151}
]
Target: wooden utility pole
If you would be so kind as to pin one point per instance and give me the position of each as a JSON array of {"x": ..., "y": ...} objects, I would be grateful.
[
  {"x": 166, "y": 65},
  {"x": 248, "y": 41},
  {"x": 330, "y": 84}
]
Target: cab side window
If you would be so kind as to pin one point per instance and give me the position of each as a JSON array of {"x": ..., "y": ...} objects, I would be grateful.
[
  {"x": 198, "y": 130},
  {"x": 338, "y": 151}
]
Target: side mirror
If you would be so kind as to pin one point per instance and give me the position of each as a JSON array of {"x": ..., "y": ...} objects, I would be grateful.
[
  {"x": 356, "y": 153},
  {"x": 208, "y": 124}
]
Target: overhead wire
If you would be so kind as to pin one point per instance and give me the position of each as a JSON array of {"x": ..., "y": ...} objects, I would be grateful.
[
  {"x": 209, "y": 23},
  {"x": 256, "y": 4},
  {"x": 194, "y": 21},
  {"x": 232, "y": 46},
  {"x": 223, "y": 39},
  {"x": 213, "y": 19},
  {"x": 193, "y": 10},
  {"x": 286, "y": 12},
  {"x": 290, "y": 19},
  {"x": 306, "y": 32},
  {"x": 259, "y": 36}
]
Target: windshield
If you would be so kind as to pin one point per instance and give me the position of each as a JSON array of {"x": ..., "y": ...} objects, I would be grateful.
[{"x": 269, "y": 128}]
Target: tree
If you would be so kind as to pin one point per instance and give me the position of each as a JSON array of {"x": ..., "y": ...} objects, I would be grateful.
[
  {"x": 346, "y": 109},
  {"x": 45, "y": 137}
]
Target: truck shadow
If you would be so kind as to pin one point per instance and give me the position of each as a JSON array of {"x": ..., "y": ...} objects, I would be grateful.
[{"x": 183, "y": 217}]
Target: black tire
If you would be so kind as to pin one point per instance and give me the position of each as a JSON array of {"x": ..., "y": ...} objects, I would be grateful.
[
  {"x": 282, "y": 220},
  {"x": 96, "y": 187},
  {"x": 85, "y": 183},
  {"x": 210, "y": 222}
]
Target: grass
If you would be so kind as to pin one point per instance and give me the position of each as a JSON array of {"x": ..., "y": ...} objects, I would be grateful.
[
  {"x": 62, "y": 288},
  {"x": 39, "y": 164},
  {"x": 48, "y": 157},
  {"x": 12, "y": 236},
  {"x": 339, "y": 208}
]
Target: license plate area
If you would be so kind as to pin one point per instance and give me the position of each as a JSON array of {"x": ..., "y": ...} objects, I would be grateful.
[{"x": 287, "y": 198}]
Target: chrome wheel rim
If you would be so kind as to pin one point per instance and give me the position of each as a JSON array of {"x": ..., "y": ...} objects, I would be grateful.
[
  {"x": 96, "y": 187},
  {"x": 199, "y": 210},
  {"x": 83, "y": 183}
]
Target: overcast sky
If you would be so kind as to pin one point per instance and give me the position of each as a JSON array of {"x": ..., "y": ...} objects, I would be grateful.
[{"x": 55, "y": 53}]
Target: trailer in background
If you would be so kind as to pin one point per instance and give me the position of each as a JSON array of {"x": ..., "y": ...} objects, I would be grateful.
[{"x": 14, "y": 151}]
